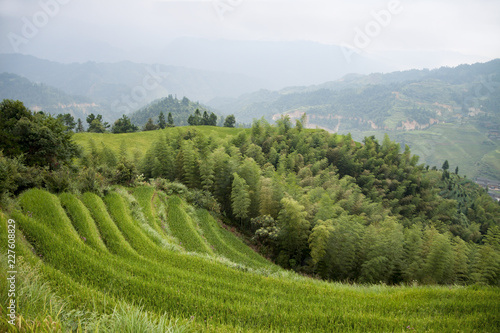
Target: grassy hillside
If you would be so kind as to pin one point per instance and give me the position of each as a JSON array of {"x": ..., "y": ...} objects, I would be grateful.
[
  {"x": 198, "y": 292},
  {"x": 139, "y": 142}
]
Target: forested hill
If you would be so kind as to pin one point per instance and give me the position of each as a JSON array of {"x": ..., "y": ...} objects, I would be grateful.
[
  {"x": 180, "y": 110},
  {"x": 446, "y": 113},
  {"x": 405, "y": 100},
  {"x": 41, "y": 97}
]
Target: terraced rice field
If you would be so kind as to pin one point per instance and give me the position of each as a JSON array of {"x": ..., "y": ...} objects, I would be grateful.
[{"x": 143, "y": 248}]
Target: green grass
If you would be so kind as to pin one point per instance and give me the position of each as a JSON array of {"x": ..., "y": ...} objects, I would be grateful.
[
  {"x": 154, "y": 281},
  {"x": 228, "y": 245},
  {"x": 141, "y": 141},
  {"x": 82, "y": 221},
  {"x": 183, "y": 227}
]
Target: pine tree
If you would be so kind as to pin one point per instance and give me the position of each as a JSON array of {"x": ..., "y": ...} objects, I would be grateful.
[
  {"x": 79, "y": 126},
  {"x": 170, "y": 120},
  {"x": 446, "y": 165},
  {"x": 150, "y": 126},
  {"x": 161, "y": 121}
]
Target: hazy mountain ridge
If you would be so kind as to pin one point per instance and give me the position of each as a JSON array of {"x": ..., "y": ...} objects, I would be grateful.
[
  {"x": 392, "y": 98},
  {"x": 124, "y": 87},
  {"x": 41, "y": 97}
]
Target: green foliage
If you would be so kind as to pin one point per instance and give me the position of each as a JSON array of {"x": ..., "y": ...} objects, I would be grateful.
[
  {"x": 41, "y": 139},
  {"x": 150, "y": 126},
  {"x": 295, "y": 229},
  {"x": 68, "y": 120},
  {"x": 197, "y": 119},
  {"x": 124, "y": 125},
  {"x": 178, "y": 111},
  {"x": 240, "y": 197},
  {"x": 96, "y": 124},
  {"x": 229, "y": 121},
  {"x": 161, "y": 120}
]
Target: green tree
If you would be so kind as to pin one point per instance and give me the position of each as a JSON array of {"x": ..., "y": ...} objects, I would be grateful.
[
  {"x": 124, "y": 125},
  {"x": 79, "y": 126},
  {"x": 170, "y": 120},
  {"x": 213, "y": 119},
  {"x": 295, "y": 230},
  {"x": 230, "y": 121},
  {"x": 205, "y": 119},
  {"x": 150, "y": 126},
  {"x": 161, "y": 121},
  {"x": 96, "y": 124},
  {"x": 446, "y": 165},
  {"x": 68, "y": 120},
  {"x": 40, "y": 138},
  {"x": 191, "y": 165},
  {"x": 438, "y": 266},
  {"x": 382, "y": 251},
  {"x": 239, "y": 197},
  {"x": 320, "y": 239},
  {"x": 249, "y": 170}
]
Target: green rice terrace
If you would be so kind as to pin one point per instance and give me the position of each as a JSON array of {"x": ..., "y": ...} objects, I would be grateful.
[{"x": 85, "y": 259}]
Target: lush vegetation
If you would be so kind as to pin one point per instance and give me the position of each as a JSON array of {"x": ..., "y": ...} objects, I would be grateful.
[
  {"x": 130, "y": 237},
  {"x": 180, "y": 111},
  {"x": 428, "y": 110}
]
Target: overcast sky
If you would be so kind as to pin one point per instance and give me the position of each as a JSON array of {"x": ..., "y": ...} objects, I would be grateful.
[{"x": 112, "y": 30}]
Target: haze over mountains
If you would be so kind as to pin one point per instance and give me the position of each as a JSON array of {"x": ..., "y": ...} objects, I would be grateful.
[{"x": 425, "y": 109}]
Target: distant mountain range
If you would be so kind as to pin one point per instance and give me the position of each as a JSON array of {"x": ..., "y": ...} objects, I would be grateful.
[
  {"x": 41, "y": 97},
  {"x": 125, "y": 86},
  {"x": 405, "y": 100}
]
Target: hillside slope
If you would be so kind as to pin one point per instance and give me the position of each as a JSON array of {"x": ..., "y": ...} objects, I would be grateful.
[{"x": 215, "y": 294}]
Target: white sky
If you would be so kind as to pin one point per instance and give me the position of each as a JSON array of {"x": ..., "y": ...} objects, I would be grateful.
[{"x": 468, "y": 28}]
